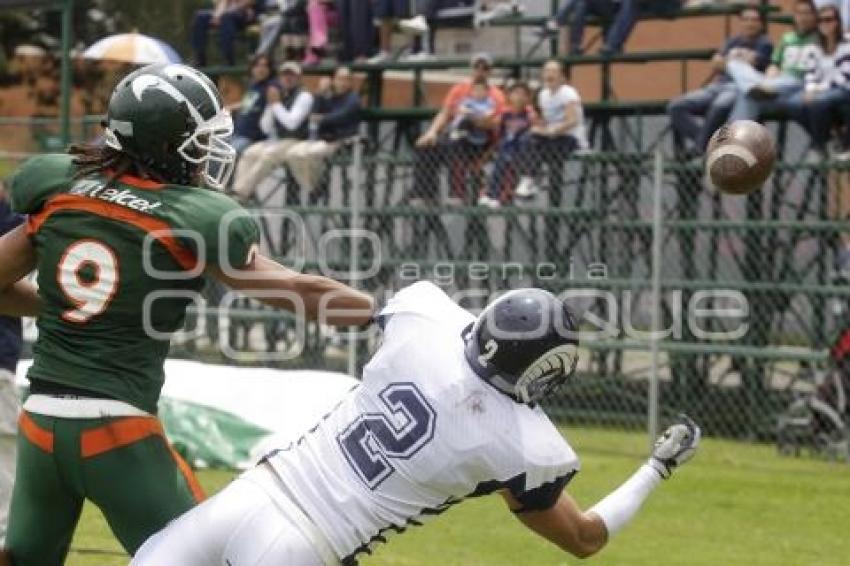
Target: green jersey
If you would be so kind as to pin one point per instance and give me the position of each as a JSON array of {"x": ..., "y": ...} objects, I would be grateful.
[
  {"x": 118, "y": 263},
  {"x": 798, "y": 54}
]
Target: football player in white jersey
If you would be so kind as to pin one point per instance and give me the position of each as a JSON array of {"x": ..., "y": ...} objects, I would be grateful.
[{"x": 447, "y": 409}]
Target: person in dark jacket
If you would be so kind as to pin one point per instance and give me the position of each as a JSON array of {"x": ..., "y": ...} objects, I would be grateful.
[
  {"x": 285, "y": 121},
  {"x": 10, "y": 350},
  {"x": 246, "y": 127},
  {"x": 335, "y": 118},
  {"x": 714, "y": 101}
]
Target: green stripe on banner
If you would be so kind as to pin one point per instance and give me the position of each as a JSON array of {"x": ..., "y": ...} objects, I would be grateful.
[{"x": 207, "y": 437}]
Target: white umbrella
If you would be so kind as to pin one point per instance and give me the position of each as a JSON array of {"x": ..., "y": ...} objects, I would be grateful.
[{"x": 134, "y": 48}]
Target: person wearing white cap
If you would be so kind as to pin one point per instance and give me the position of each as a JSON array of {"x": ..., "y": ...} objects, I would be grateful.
[{"x": 285, "y": 120}]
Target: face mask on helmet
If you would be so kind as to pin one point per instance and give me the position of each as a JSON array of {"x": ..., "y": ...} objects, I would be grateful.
[
  {"x": 547, "y": 374},
  {"x": 209, "y": 147}
]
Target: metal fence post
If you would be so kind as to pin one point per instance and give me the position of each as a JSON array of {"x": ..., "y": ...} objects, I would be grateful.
[
  {"x": 657, "y": 241},
  {"x": 355, "y": 227},
  {"x": 67, "y": 40}
]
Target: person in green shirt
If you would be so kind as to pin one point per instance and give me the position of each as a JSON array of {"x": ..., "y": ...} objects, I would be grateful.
[
  {"x": 798, "y": 53},
  {"x": 123, "y": 237}
]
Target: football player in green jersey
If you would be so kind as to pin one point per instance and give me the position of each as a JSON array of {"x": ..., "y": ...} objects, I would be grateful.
[{"x": 122, "y": 238}]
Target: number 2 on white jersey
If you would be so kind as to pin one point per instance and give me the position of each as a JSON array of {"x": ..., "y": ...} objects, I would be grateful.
[{"x": 90, "y": 298}]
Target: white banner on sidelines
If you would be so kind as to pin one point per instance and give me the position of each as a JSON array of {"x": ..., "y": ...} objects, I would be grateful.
[{"x": 228, "y": 417}]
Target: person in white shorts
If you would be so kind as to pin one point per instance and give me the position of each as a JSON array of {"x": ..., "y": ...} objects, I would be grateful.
[{"x": 447, "y": 409}]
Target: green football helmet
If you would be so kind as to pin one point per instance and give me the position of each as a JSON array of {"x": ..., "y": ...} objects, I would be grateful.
[{"x": 170, "y": 118}]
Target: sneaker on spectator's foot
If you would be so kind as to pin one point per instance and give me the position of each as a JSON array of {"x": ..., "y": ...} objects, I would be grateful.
[
  {"x": 608, "y": 51},
  {"x": 526, "y": 188},
  {"x": 414, "y": 26},
  {"x": 381, "y": 57},
  {"x": 496, "y": 11},
  {"x": 548, "y": 29},
  {"x": 418, "y": 57},
  {"x": 489, "y": 202}
]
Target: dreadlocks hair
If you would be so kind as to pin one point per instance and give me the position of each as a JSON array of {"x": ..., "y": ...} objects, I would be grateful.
[{"x": 95, "y": 159}]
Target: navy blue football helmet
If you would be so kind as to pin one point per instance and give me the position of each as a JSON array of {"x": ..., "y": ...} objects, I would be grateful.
[{"x": 525, "y": 344}]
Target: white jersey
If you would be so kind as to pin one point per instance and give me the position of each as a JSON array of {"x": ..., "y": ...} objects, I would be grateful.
[{"x": 419, "y": 434}]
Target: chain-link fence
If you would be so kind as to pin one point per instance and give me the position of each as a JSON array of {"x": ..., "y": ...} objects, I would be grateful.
[
  {"x": 747, "y": 285},
  {"x": 748, "y": 288}
]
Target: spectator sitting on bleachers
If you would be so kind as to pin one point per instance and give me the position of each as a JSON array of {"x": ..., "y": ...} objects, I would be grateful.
[
  {"x": 714, "y": 101},
  {"x": 246, "y": 127},
  {"x": 356, "y": 31},
  {"x": 827, "y": 90},
  {"x": 516, "y": 122},
  {"x": 335, "y": 118},
  {"x": 622, "y": 14},
  {"x": 797, "y": 54},
  {"x": 285, "y": 121},
  {"x": 230, "y": 16},
  {"x": 436, "y": 148},
  {"x": 561, "y": 132}
]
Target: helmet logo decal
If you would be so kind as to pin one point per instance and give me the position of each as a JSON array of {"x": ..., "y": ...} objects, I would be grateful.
[
  {"x": 175, "y": 69},
  {"x": 144, "y": 82},
  {"x": 490, "y": 349}
]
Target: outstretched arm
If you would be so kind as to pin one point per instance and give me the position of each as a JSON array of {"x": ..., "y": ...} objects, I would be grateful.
[
  {"x": 565, "y": 524},
  {"x": 583, "y": 534},
  {"x": 17, "y": 260},
  {"x": 317, "y": 297}
]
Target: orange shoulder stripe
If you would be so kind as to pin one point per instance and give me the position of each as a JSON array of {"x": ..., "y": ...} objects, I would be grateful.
[
  {"x": 34, "y": 433},
  {"x": 160, "y": 229}
]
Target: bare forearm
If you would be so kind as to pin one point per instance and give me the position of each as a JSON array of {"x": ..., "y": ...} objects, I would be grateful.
[
  {"x": 312, "y": 296},
  {"x": 439, "y": 122},
  {"x": 20, "y": 299},
  {"x": 17, "y": 260},
  {"x": 564, "y": 524},
  {"x": 334, "y": 303}
]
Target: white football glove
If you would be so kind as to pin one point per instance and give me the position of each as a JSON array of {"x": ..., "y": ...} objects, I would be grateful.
[{"x": 676, "y": 446}]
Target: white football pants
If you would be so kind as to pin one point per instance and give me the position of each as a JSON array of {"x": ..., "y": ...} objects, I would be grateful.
[{"x": 243, "y": 525}]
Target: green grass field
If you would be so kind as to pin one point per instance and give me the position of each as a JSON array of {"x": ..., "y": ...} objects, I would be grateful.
[{"x": 734, "y": 504}]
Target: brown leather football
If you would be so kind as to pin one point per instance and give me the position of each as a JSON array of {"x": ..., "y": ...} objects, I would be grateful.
[{"x": 740, "y": 157}]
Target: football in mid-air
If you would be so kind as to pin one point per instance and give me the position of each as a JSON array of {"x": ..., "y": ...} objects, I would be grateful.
[{"x": 740, "y": 157}]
